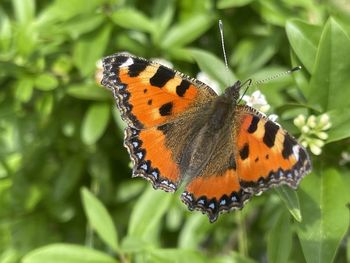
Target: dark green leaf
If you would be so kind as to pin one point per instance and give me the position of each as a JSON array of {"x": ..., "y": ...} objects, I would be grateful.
[
  {"x": 340, "y": 120},
  {"x": 304, "y": 40},
  {"x": 291, "y": 200},
  {"x": 99, "y": 219},
  {"x": 325, "y": 215},
  {"x": 280, "y": 240},
  {"x": 331, "y": 69}
]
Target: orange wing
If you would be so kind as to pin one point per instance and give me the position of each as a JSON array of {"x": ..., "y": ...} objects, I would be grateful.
[
  {"x": 215, "y": 194},
  {"x": 266, "y": 154},
  {"x": 149, "y": 96},
  {"x": 261, "y": 155}
]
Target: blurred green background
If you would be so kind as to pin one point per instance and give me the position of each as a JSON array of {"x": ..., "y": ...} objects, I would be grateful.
[{"x": 60, "y": 130}]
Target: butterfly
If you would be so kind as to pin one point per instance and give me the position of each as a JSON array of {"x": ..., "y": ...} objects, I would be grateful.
[{"x": 180, "y": 132}]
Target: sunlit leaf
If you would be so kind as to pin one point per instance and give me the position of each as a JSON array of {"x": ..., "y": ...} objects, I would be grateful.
[
  {"x": 99, "y": 219},
  {"x": 95, "y": 122},
  {"x": 64, "y": 253}
]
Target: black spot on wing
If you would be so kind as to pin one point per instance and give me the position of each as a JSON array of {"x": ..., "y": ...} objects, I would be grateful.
[
  {"x": 271, "y": 130},
  {"x": 119, "y": 60},
  {"x": 244, "y": 152},
  {"x": 181, "y": 89},
  {"x": 149, "y": 102},
  {"x": 254, "y": 124},
  {"x": 288, "y": 144},
  {"x": 136, "y": 68},
  {"x": 166, "y": 109},
  {"x": 162, "y": 76}
]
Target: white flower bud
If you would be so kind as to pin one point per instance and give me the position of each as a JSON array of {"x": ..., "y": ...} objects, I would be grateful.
[
  {"x": 324, "y": 119},
  {"x": 322, "y": 135},
  {"x": 317, "y": 142},
  {"x": 326, "y": 126},
  {"x": 311, "y": 121},
  {"x": 304, "y": 143},
  {"x": 305, "y": 129},
  {"x": 264, "y": 108},
  {"x": 315, "y": 149},
  {"x": 299, "y": 121}
]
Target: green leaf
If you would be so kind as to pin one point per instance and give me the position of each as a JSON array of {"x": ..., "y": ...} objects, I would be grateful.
[
  {"x": 88, "y": 92},
  {"x": 213, "y": 66},
  {"x": 132, "y": 19},
  {"x": 90, "y": 48},
  {"x": 194, "y": 231},
  {"x": 45, "y": 82},
  {"x": 99, "y": 219},
  {"x": 164, "y": 13},
  {"x": 291, "y": 200},
  {"x": 323, "y": 199},
  {"x": 176, "y": 255},
  {"x": 252, "y": 54},
  {"x": 147, "y": 213},
  {"x": 331, "y": 71},
  {"x": 24, "y": 10},
  {"x": 222, "y": 4},
  {"x": 135, "y": 244},
  {"x": 63, "y": 253},
  {"x": 187, "y": 31},
  {"x": 279, "y": 242},
  {"x": 95, "y": 122},
  {"x": 69, "y": 176},
  {"x": 24, "y": 89},
  {"x": 304, "y": 40},
  {"x": 340, "y": 129}
]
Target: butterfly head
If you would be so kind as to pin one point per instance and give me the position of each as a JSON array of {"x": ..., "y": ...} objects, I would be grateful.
[{"x": 232, "y": 92}]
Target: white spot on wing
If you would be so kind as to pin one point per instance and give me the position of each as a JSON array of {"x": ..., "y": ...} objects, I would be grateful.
[
  {"x": 296, "y": 149},
  {"x": 139, "y": 155},
  {"x": 127, "y": 63}
]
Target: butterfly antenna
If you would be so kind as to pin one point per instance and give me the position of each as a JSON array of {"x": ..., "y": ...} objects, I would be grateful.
[
  {"x": 247, "y": 83},
  {"x": 278, "y": 75},
  {"x": 221, "y": 28}
]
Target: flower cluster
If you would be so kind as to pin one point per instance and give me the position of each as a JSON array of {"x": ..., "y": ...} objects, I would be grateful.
[
  {"x": 258, "y": 101},
  {"x": 313, "y": 131}
]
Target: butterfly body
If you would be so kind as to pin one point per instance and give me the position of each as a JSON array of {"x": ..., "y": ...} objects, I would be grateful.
[{"x": 179, "y": 131}]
